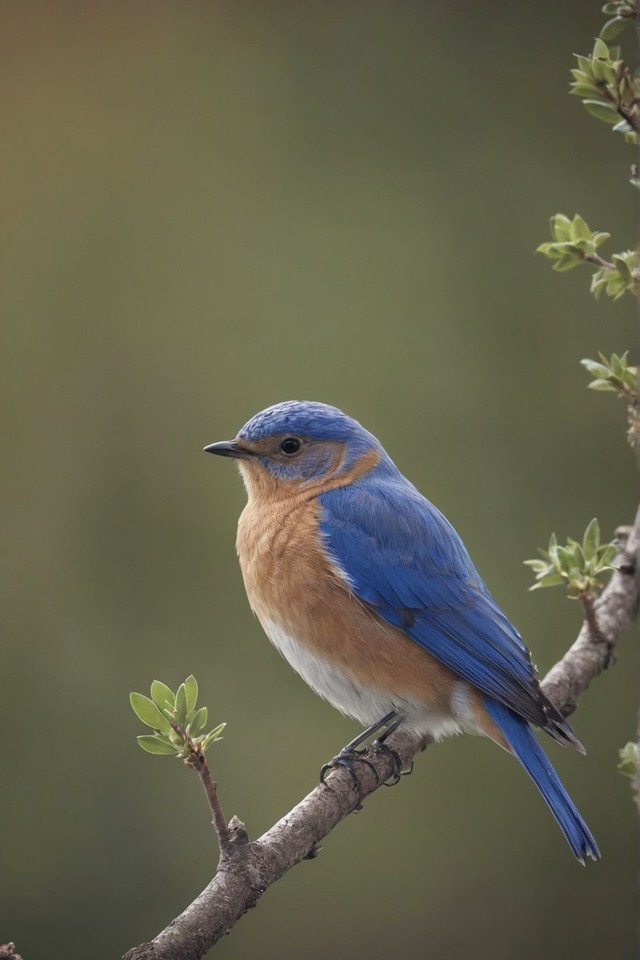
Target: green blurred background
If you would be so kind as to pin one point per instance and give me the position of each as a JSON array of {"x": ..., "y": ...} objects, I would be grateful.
[{"x": 213, "y": 206}]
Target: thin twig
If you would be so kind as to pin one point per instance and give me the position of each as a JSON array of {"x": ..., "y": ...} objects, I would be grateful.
[
  {"x": 199, "y": 764},
  {"x": 598, "y": 260},
  {"x": 588, "y": 605}
]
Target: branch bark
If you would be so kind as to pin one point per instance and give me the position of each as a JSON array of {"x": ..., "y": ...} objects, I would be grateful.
[{"x": 247, "y": 868}]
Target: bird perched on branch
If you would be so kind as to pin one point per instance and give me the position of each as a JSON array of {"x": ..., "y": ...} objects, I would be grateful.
[{"x": 369, "y": 593}]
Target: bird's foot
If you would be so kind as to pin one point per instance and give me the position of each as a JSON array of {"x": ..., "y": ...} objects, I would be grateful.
[
  {"x": 382, "y": 747},
  {"x": 348, "y": 758},
  {"x": 351, "y": 755},
  {"x": 380, "y": 744}
]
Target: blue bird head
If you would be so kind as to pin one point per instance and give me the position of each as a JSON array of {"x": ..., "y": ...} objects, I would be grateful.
[{"x": 300, "y": 442}]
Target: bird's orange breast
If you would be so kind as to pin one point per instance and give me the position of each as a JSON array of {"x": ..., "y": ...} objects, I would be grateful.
[{"x": 293, "y": 587}]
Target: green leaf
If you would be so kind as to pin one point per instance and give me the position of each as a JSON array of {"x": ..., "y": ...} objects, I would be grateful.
[
  {"x": 604, "y": 385},
  {"x": 560, "y": 226},
  {"x": 604, "y": 73},
  {"x": 181, "y": 705},
  {"x": 551, "y": 580},
  {"x": 630, "y": 378},
  {"x": 580, "y": 229},
  {"x": 601, "y": 111},
  {"x": 147, "y": 711},
  {"x": 564, "y": 559},
  {"x": 613, "y": 28},
  {"x": 199, "y": 722},
  {"x": 599, "y": 238},
  {"x": 213, "y": 736},
  {"x": 572, "y": 248},
  {"x": 157, "y": 745},
  {"x": 595, "y": 368},
  {"x": 600, "y": 50},
  {"x": 577, "y": 554},
  {"x": 629, "y": 759},
  {"x": 607, "y": 553},
  {"x": 616, "y": 284},
  {"x": 622, "y": 266},
  {"x": 191, "y": 689},
  {"x": 598, "y": 282},
  {"x": 591, "y": 539},
  {"x": 163, "y": 695},
  {"x": 583, "y": 90},
  {"x": 616, "y": 366},
  {"x": 549, "y": 249},
  {"x": 585, "y": 64},
  {"x": 563, "y": 265}
]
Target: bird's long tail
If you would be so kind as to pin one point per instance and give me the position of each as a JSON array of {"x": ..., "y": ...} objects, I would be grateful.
[{"x": 526, "y": 748}]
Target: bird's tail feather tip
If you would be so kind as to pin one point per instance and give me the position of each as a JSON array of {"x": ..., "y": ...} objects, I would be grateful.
[
  {"x": 581, "y": 841},
  {"x": 527, "y": 750},
  {"x": 563, "y": 733},
  {"x": 569, "y": 736}
]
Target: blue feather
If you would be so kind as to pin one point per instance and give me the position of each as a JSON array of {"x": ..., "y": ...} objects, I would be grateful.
[
  {"x": 528, "y": 751},
  {"x": 402, "y": 556}
]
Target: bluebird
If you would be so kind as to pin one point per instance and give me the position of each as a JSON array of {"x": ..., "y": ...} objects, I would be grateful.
[{"x": 369, "y": 593}]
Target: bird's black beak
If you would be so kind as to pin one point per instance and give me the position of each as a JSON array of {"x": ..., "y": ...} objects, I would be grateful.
[{"x": 228, "y": 448}]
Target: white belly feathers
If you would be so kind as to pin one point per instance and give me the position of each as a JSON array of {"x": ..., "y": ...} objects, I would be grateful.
[{"x": 351, "y": 697}]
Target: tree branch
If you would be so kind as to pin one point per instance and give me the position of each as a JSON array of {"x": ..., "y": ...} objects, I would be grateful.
[
  {"x": 598, "y": 260},
  {"x": 198, "y": 763},
  {"x": 247, "y": 868},
  {"x": 614, "y": 610}
]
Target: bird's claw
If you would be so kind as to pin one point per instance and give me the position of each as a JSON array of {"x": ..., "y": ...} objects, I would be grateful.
[
  {"x": 395, "y": 780},
  {"x": 397, "y": 759},
  {"x": 347, "y": 759}
]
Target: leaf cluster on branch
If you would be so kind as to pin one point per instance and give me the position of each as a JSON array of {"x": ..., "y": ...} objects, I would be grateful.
[
  {"x": 580, "y": 566},
  {"x": 607, "y": 86}
]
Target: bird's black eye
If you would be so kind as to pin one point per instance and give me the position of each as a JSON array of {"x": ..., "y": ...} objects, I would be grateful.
[{"x": 290, "y": 445}]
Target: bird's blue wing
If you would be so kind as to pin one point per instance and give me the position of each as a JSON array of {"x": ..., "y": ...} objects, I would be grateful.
[{"x": 403, "y": 558}]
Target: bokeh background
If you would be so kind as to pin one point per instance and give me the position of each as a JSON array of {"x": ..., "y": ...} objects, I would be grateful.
[{"x": 213, "y": 206}]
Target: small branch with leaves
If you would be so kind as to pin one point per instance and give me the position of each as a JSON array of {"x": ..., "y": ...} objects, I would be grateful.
[
  {"x": 574, "y": 242},
  {"x": 617, "y": 376},
  {"x": 606, "y": 85},
  {"x": 178, "y": 731},
  {"x": 578, "y": 566},
  {"x": 614, "y": 375},
  {"x": 611, "y": 93}
]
